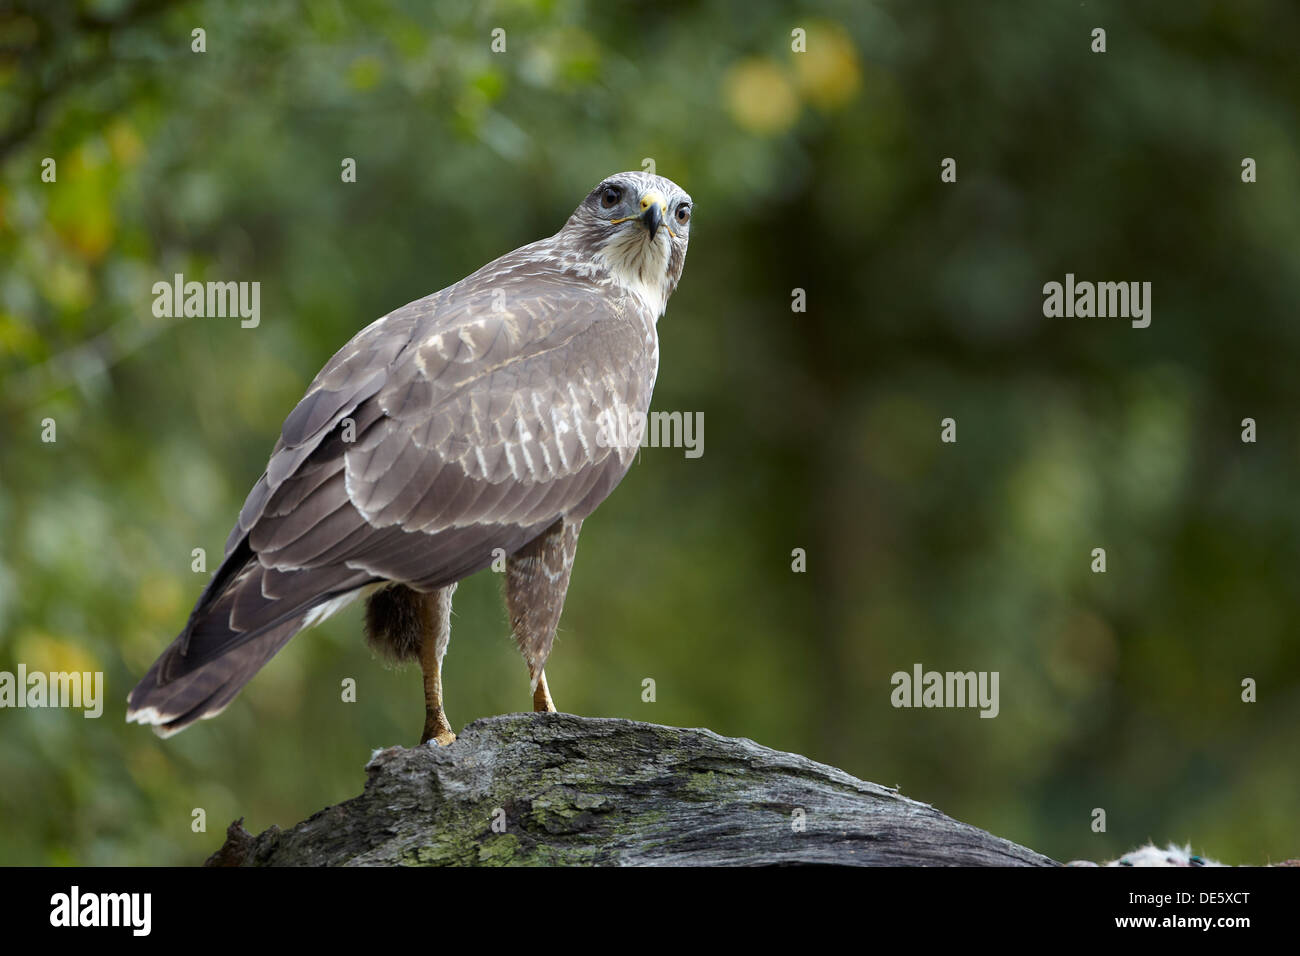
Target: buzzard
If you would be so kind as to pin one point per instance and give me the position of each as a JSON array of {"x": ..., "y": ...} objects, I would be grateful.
[{"x": 471, "y": 424}]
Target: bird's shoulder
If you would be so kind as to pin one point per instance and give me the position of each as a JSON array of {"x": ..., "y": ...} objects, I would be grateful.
[
  {"x": 513, "y": 374},
  {"x": 529, "y": 302}
]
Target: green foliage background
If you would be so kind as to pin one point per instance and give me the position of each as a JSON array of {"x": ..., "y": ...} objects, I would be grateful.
[{"x": 817, "y": 170}]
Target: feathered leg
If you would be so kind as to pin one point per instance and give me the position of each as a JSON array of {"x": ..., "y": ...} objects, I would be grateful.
[{"x": 537, "y": 579}]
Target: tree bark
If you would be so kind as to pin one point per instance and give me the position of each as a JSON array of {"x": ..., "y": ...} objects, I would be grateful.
[{"x": 548, "y": 789}]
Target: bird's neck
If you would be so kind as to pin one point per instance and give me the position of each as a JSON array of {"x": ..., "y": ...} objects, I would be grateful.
[{"x": 639, "y": 267}]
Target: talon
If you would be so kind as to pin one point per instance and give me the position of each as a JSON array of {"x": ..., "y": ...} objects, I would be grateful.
[{"x": 437, "y": 729}]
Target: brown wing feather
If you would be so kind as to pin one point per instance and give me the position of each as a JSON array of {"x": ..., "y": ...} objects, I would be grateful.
[{"x": 477, "y": 417}]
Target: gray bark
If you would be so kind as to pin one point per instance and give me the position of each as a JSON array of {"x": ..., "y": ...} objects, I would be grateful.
[{"x": 558, "y": 789}]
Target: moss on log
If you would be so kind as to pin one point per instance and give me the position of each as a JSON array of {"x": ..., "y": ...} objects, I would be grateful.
[{"x": 543, "y": 789}]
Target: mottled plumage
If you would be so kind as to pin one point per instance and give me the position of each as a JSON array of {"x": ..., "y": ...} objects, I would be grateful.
[{"x": 462, "y": 423}]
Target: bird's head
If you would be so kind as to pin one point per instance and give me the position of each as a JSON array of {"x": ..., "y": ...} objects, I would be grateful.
[{"x": 637, "y": 226}]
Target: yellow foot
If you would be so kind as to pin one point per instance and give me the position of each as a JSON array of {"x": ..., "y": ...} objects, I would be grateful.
[
  {"x": 437, "y": 729},
  {"x": 542, "y": 703}
]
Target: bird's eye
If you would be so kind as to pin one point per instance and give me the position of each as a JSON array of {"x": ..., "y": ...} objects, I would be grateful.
[
  {"x": 610, "y": 197},
  {"x": 684, "y": 213}
]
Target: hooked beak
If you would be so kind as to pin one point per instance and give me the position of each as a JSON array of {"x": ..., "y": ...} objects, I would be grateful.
[{"x": 653, "y": 207}]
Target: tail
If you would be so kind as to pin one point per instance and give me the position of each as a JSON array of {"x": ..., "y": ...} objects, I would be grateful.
[
  {"x": 246, "y": 614},
  {"x": 171, "y": 706}
]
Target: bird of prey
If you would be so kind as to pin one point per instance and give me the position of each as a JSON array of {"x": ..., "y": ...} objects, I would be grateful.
[{"x": 467, "y": 426}]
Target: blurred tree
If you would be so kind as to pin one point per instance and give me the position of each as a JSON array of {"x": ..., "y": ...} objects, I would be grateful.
[{"x": 815, "y": 170}]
